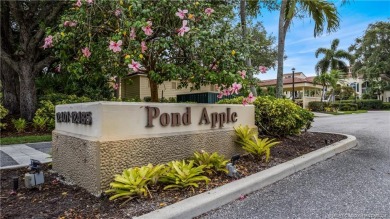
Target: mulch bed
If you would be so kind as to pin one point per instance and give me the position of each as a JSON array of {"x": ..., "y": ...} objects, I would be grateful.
[{"x": 57, "y": 200}]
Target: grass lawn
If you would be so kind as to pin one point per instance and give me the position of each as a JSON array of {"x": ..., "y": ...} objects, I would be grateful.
[
  {"x": 347, "y": 112},
  {"x": 25, "y": 139}
]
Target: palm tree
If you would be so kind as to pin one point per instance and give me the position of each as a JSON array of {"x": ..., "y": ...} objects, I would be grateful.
[
  {"x": 322, "y": 12},
  {"x": 332, "y": 58},
  {"x": 328, "y": 79}
]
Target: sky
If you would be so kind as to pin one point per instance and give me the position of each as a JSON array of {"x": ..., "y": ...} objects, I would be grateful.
[{"x": 301, "y": 45}]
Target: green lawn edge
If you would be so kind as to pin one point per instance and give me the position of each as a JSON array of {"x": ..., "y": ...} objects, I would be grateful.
[
  {"x": 347, "y": 112},
  {"x": 24, "y": 139}
]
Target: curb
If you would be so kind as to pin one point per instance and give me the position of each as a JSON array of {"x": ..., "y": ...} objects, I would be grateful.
[
  {"x": 20, "y": 166},
  {"x": 199, "y": 204}
]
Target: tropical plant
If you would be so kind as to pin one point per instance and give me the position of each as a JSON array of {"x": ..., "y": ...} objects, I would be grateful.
[
  {"x": 19, "y": 124},
  {"x": 321, "y": 11},
  {"x": 244, "y": 134},
  {"x": 46, "y": 111},
  {"x": 212, "y": 162},
  {"x": 181, "y": 174},
  {"x": 3, "y": 114},
  {"x": 134, "y": 182},
  {"x": 39, "y": 123},
  {"x": 327, "y": 79},
  {"x": 333, "y": 59},
  {"x": 260, "y": 147}
]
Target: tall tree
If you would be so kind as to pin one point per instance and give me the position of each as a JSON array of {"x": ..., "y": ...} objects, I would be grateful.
[
  {"x": 322, "y": 12},
  {"x": 372, "y": 51},
  {"x": 9, "y": 78},
  {"x": 29, "y": 20},
  {"x": 333, "y": 58},
  {"x": 252, "y": 8}
]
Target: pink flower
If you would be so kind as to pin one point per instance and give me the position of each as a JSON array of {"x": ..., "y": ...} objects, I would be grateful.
[
  {"x": 86, "y": 52},
  {"x": 148, "y": 29},
  {"x": 213, "y": 66},
  {"x": 70, "y": 24},
  {"x": 58, "y": 68},
  {"x": 235, "y": 88},
  {"x": 90, "y": 2},
  {"x": 48, "y": 42},
  {"x": 115, "y": 46},
  {"x": 135, "y": 66},
  {"x": 242, "y": 73},
  {"x": 208, "y": 11},
  {"x": 220, "y": 95},
  {"x": 184, "y": 28},
  {"x": 132, "y": 33},
  {"x": 251, "y": 98},
  {"x": 263, "y": 69},
  {"x": 78, "y": 3},
  {"x": 181, "y": 13},
  {"x": 118, "y": 12},
  {"x": 143, "y": 46},
  {"x": 226, "y": 91},
  {"x": 244, "y": 101},
  {"x": 115, "y": 86}
]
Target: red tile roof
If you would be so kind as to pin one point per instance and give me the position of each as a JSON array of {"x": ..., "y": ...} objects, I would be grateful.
[{"x": 287, "y": 81}]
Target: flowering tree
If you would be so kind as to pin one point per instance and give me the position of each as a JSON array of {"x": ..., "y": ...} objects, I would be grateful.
[{"x": 190, "y": 41}]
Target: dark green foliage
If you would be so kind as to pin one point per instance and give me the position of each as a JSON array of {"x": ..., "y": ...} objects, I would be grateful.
[
  {"x": 386, "y": 106},
  {"x": 366, "y": 104},
  {"x": 345, "y": 106},
  {"x": 318, "y": 106}
]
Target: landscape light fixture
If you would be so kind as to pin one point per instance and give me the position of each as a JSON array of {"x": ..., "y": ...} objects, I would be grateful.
[{"x": 293, "y": 83}]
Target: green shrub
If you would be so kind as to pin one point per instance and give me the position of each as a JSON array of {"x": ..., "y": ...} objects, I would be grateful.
[
  {"x": 147, "y": 99},
  {"x": 260, "y": 147},
  {"x": 19, "y": 124},
  {"x": 134, "y": 182},
  {"x": 181, "y": 174},
  {"x": 39, "y": 123},
  {"x": 281, "y": 117},
  {"x": 277, "y": 117},
  {"x": 58, "y": 98},
  {"x": 318, "y": 106},
  {"x": 3, "y": 114},
  {"x": 212, "y": 162},
  {"x": 46, "y": 112},
  {"x": 366, "y": 104},
  {"x": 345, "y": 106},
  {"x": 386, "y": 105}
]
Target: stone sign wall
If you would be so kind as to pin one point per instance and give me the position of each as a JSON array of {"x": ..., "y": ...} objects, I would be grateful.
[{"x": 94, "y": 141}]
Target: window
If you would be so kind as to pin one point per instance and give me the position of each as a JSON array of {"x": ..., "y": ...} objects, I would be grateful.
[{"x": 174, "y": 85}]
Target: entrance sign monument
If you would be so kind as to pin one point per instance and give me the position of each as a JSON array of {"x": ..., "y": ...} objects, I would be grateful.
[{"x": 94, "y": 141}]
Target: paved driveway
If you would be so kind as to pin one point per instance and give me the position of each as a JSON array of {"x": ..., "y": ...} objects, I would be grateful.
[{"x": 354, "y": 184}]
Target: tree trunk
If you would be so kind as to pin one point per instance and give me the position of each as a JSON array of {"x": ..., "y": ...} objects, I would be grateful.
[
  {"x": 10, "y": 88},
  {"x": 244, "y": 33},
  {"x": 281, "y": 39},
  {"x": 28, "y": 95},
  {"x": 153, "y": 90}
]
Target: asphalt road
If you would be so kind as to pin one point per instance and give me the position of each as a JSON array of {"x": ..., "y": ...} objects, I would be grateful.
[{"x": 353, "y": 184}]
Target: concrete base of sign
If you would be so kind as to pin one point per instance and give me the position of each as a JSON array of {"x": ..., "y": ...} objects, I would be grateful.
[{"x": 92, "y": 164}]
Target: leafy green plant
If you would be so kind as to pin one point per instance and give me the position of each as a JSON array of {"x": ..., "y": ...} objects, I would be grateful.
[
  {"x": 212, "y": 162},
  {"x": 260, "y": 147},
  {"x": 244, "y": 133},
  {"x": 39, "y": 123},
  {"x": 181, "y": 174},
  {"x": 277, "y": 117},
  {"x": 134, "y": 182},
  {"x": 19, "y": 124},
  {"x": 3, "y": 113}
]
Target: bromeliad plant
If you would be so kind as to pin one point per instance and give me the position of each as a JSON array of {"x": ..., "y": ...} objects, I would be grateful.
[
  {"x": 245, "y": 134},
  {"x": 181, "y": 174},
  {"x": 212, "y": 162},
  {"x": 134, "y": 182},
  {"x": 260, "y": 147}
]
